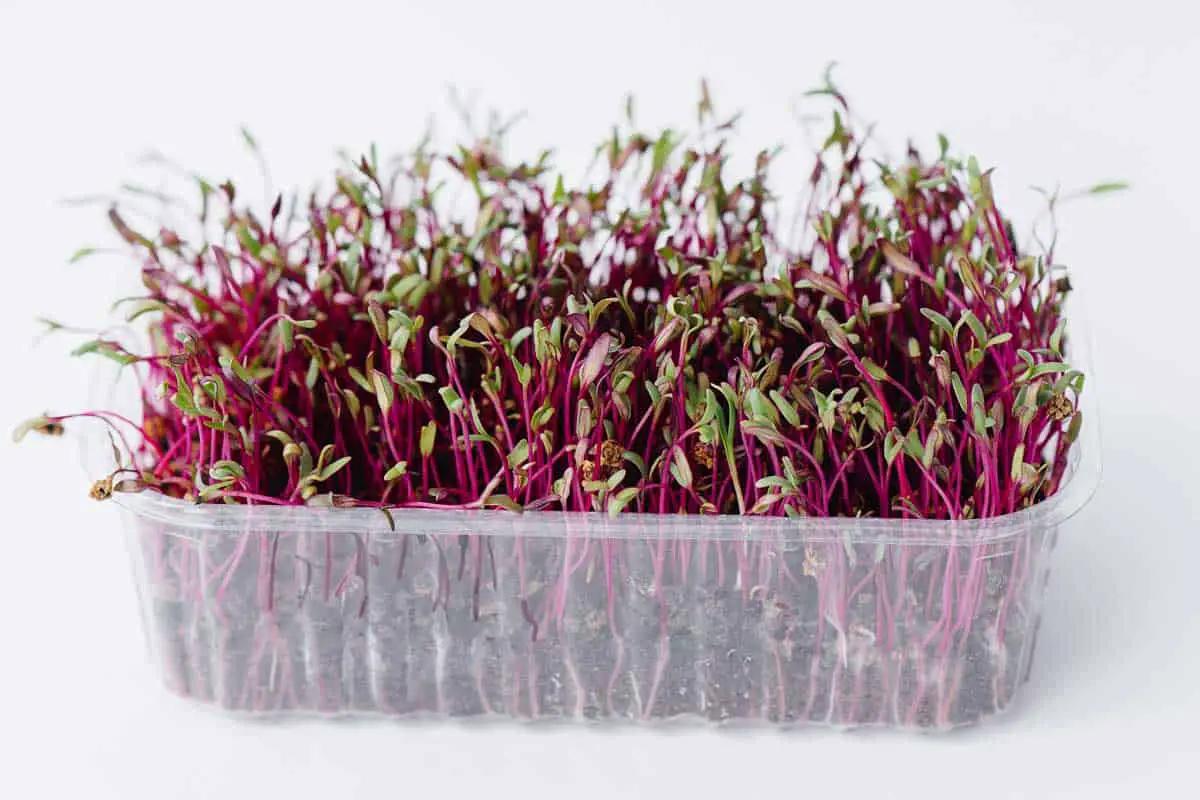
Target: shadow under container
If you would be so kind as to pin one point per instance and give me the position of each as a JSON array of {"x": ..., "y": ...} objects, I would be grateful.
[{"x": 914, "y": 624}]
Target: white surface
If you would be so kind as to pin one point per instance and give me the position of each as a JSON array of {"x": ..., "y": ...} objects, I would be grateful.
[{"x": 1074, "y": 94}]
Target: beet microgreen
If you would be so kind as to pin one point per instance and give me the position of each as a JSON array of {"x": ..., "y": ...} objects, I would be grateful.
[{"x": 646, "y": 341}]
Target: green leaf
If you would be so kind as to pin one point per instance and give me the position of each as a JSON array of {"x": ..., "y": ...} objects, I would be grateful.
[
  {"x": 314, "y": 371},
  {"x": 938, "y": 320},
  {"x": 833, "y": 329},
  {"x": 332, "y": 469},
  {"x": 562, "y": 486},
  {"x": 453, "y": 339},
  {"x": 306, "y": 464},
  {"x": 811, "y": 353},
  {"x": 1074, "y": 427},
  {"x": 82, "y": 253},
  {"x": 594, "y": 362},
  {"x": 1018, "y": 461},
  {"x": 969, "y": 275},
  {"x": 681, "y": 470},
  {"x": 226, "y": 470},
  {"x": 764, "y": 502},
  {"x": 379, "y": 320},
  {"x": 248, "y": 138},
  {"x": 827, "y": 88},
  {"x": 51, "y": 325},
  {"x": 760, "y": 407},
  {"x": 662, "y": 151},
  {"x": 484, "y": 435},
  {"x": 826, "y": 407},
  {"x": 898, "y": 261},
  {"x": 353, "y": 191},
  {"x": 583, "y": 419},
  {"x": 618, "y": 501},
  {"x": 913, "y": 446},
  {"x": 874, "y": 370},
  {"x": 823, "y": 284},
  {"x": 280, "y": 436},
  {"x": 383, "y": 391},
  {"x": 999, "y": 338},
  {"x": 973, "y": 167},
  {"x": 786, "y": 408},
  {"x": 892, "y": 444},
  {"x": 594, "y": 486},
  {"x": 524, "y": 373},
  {"x": 518, "y": 337},
  {"x": 406, "y": 285},
  {"x": 873, "y": 411},
  {"x": 184, "y": 402},
  {"x": 450, "y": 397},
  {"x": 615, "y": 480},
  {"x": 541, "y": 417},
  {"x": 653, "y": 393},
  {"x": 636, "y": 460},
  {"x": 977, "y": 410},
  {"x": 237, "y": 368},
  {"x": 598, "y": 309},
  {"x": 519, "y": 454},
  {"x": 214, "y": 490},
  {"x": 323, "y": 458},
  {"x": 287, "y": 334},
  {"x": 1056, "y": 338},
  {"x": 398, "y": 470},
  {"x": 879, "y": 309},
  {"x": 146, "y": 306},
  {"x": 479, "y": 322},
  {"x": 792, "y": 324},
  {"x": 960, "y": 392},
  {"x": 106, "y": 349},
  {"x": 932, "y": 442},
  {"x": 428, "y": 436},
  {"x": 1045, "y": 368},
  {"x": 972, "y": 322},
  {"x": 1105, "y": 188},
  {"x": 763, "y": 433},
  {"x": 824, "y": 226},
  {"x": 502, "y": 501}
]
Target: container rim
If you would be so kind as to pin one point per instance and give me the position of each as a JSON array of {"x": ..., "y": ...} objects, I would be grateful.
[{"x": 1077, "y": 488}]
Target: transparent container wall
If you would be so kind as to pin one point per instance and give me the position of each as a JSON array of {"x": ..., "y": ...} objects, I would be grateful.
[
  {"x": 650, "y": 623},
  {"x": 910, "y": 624}
]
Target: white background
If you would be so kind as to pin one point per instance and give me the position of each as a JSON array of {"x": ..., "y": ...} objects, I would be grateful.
[{"x": 1068, "y": 92}]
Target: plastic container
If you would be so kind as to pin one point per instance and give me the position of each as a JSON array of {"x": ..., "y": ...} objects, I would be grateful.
[{"x": 840, "y": 622}]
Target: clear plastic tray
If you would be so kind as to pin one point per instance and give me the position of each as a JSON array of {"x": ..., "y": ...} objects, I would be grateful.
[{"x": 545, "y": 615}]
